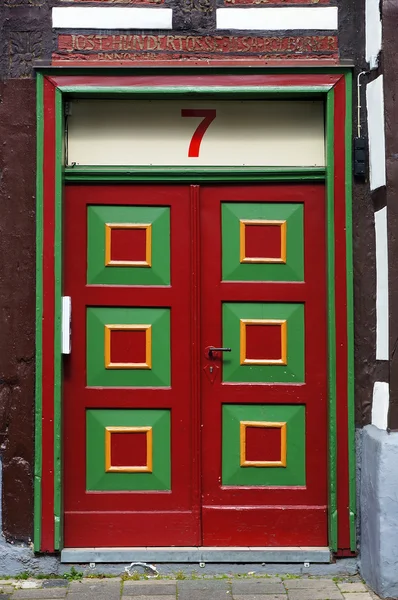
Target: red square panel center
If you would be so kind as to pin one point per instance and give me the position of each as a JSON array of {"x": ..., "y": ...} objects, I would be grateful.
[
  {"x": 264, "y": 342},
  {"x": 263, "y": 444},
  {"x": 263, "y": 241},
  {"x": 128, "y": 245},
  {"x": 128, "y": 346},
  {"x": 129, "y": 449}
]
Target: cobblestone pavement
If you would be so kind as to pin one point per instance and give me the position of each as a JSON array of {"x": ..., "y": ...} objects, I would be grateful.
[{"x": 235, "y": 588}]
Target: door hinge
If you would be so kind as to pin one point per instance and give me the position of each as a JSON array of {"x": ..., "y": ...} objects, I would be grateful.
[{"x": 67, "y": 109}]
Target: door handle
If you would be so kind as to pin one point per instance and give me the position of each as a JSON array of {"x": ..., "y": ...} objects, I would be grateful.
[{"x": 212, "y": 349}]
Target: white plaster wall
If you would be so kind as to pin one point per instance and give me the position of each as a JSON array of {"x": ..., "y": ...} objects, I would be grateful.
[
  {"x": 381, "y": 400},
  {"x": 106, "y": 17},
  {"x": 382, "y": 306},
  {"x": 373, "y": 32},
  {"x": 273, "y": 19},
  {"x": 377, "y": 146}
]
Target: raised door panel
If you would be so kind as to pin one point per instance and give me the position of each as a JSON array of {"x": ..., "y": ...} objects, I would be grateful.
[
  {"x": 265, "y": 404},
  {"x": 128, "y": 427}
]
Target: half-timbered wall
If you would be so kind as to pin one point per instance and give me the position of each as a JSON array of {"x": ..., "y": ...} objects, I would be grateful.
[{"x": 112, "y": 33}]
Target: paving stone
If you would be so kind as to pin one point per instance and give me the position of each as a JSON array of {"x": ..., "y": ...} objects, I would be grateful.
[
  {"x": 204, "y": 584},
  {"x": 149, "y": 588},
  {"x": 146, "y": 597},
  {"x": 104, "y": 590},
  {"x": 351, "y": 587},
  {"x": 83, "y": 585},
  {"x": 299, "y": 584},
  {"x": 204, "y": 590},
  {"x": 39, "y": 593},
  {"x": 264, "y": 579},
  {"x": 327, "y": 593},
  {"x": 6, "y": 589},
  {"x": 54, "y": 583},
  {"x": 256, "y": 586},
  {"x": 196, "y": 594},
  {"x": 358, "y": 596},
  {"x": 260, "y": 597},
  {"x": 111, "y": 581}
]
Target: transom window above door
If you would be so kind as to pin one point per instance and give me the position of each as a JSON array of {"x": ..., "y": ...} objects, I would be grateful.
[{"x": 258, "y": 133}]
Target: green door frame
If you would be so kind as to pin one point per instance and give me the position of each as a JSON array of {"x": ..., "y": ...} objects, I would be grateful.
[{"x": 54, "y": 88}]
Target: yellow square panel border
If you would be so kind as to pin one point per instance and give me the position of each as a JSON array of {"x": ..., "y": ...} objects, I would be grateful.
[
  {"x": 128, "y": 365},
  {"x": 244, "y": 360},
  {"x": 264, "y": 425},
  {"x": 262, "y": 259},
  {"x": 109, "y": 227},
  {"x": 129, "y": 469}
]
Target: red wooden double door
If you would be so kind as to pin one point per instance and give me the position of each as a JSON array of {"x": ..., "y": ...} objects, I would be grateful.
[{"x": 195, "y": 402}]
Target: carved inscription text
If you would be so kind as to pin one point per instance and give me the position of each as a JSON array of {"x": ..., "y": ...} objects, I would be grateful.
[{"x": 197, "y": 45}]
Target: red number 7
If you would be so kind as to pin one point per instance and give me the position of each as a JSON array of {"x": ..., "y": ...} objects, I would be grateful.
[{"x": 208, "y": 114}]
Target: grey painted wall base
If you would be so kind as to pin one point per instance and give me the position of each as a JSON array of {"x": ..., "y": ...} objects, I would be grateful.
[
  {"x": 18, "y": 559},
  {"x": 379, "y": 511}
]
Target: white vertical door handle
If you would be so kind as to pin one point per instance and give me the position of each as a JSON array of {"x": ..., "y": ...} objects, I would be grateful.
[{"x": 66, "y": 324}]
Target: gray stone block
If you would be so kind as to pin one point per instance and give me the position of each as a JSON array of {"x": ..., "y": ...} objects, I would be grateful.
[
  {"x": 356, "y": 596},
  {"x": 39, "y": 593},
  {"x": 326, "y": 593},
  {"x": 203, "y": 585},
  {"x": 379, "y": 510},
  {"x": 201, "y": 595},
  {"x": 104, "y": 590},
  {"x": 261, "y": 597},
  {"x": 5, "y": 589},
  {"x": 204, "y": 590},
  {"x": 310, "y": 584},
  {"x": 55, "y": 583},
  {"x": 352, "y": 587},
  {"x": 151, "y": 597},
  {"x": 257, "y": 586},
  {"x": 149, "y": 588}
]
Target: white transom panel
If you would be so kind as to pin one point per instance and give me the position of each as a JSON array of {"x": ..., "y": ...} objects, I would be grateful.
[{"x": 190, "y": 133}]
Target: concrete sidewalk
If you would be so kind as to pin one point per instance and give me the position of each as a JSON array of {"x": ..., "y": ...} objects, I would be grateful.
[{"x": 234, "y": 588}]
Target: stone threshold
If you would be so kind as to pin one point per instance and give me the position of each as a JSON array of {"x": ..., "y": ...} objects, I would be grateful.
[{"x": 198, "y": 554}]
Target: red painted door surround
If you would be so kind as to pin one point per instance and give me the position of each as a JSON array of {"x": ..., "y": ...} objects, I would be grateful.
[{"x": 195, "y": 401}]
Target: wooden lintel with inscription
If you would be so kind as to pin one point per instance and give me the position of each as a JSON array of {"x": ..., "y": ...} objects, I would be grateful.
[{"x": 124, "y": 47}]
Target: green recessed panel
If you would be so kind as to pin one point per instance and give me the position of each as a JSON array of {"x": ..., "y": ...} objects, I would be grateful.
[
  {"x": 99, "y": 273},
  {"x": 97, "y": 479},
  {"x": 159, "y": 373},
  {"x": 292, "y": 372},
  {"x": 234, "y": 270},
  {"x": 293, "y": 474}
]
